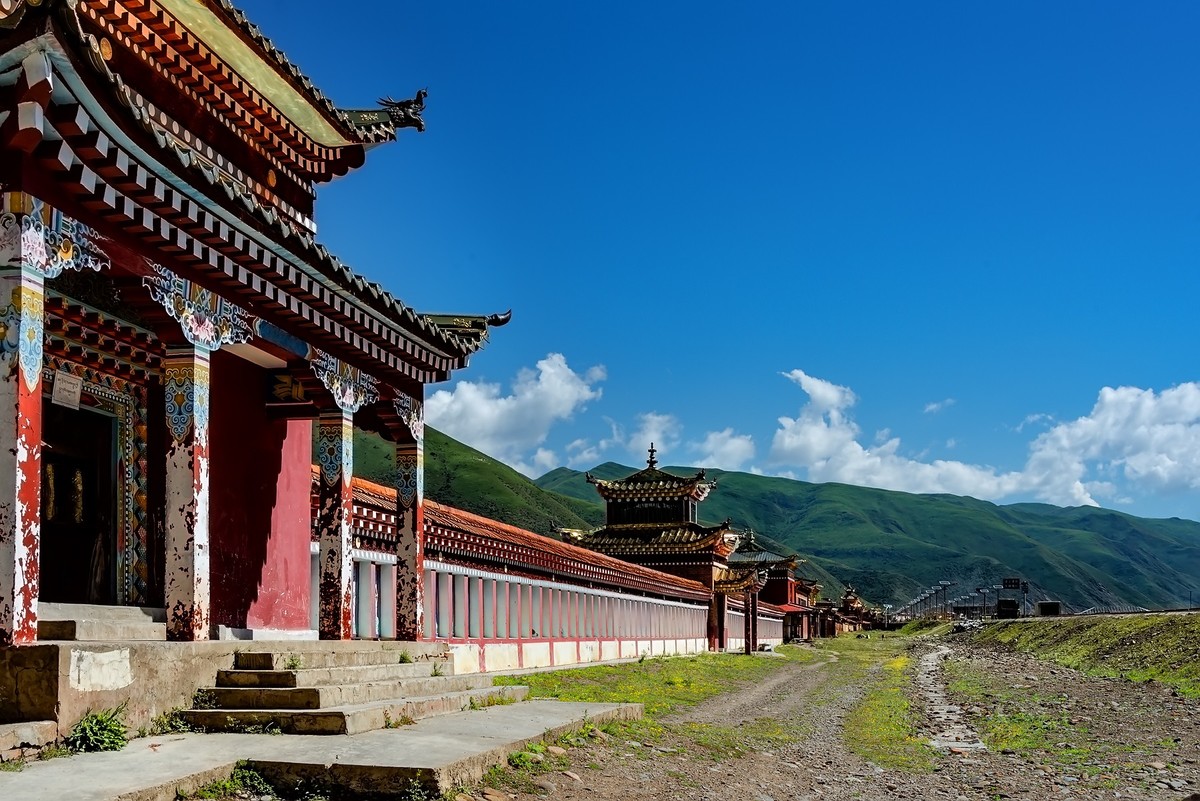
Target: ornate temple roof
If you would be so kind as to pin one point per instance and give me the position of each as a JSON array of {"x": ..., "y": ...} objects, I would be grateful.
[
  {"x": 654, "y": 538},
  {"x": 652, "y": 484},
  {"x": 752, "y": 551},
  {"x": 734, "y": 580}
]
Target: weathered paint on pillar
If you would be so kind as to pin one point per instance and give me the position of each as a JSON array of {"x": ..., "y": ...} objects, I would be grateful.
[
  {"x": 410, "y": 519},
  {"x": 335, "y": 515},
  {"x": 21, "y": 318},
  {"x": 186, "y": 388},
  {"x": 36, "y": 242},
  {"x": 207, "y": 321}
]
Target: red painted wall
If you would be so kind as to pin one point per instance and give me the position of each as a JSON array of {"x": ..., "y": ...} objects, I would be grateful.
[{"x": 260, "y": 479}]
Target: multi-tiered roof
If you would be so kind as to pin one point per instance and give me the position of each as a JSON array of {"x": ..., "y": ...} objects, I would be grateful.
[{"x": 654, "y": 512}]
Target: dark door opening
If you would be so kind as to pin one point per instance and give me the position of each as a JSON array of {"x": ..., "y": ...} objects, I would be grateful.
[{"x": 79, "y": 497}]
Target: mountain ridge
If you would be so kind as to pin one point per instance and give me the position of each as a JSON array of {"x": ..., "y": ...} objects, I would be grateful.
[{"x": 889, "y": 545}]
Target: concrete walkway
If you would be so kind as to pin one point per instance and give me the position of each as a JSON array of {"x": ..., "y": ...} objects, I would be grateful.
[{"x": 445, "y": 751}]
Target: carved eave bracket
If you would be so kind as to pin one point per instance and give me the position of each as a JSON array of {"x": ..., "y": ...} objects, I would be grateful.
[
  {"x": 207, "y": 319},
  {"x": 411, "y": 413},
  {"x": 349, "y": 386}
]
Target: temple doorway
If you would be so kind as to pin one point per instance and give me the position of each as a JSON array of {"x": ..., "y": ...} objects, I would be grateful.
[{"x": 79, "y": 501}]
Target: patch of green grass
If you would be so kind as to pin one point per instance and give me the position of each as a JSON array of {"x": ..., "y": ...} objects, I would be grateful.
[
  {"x": 13, "y": 765},
  {"x": 1163, "y": 648},
  {"x": 661, "y": 685},
  {"x": 99, "y": 731},
  {"x": 665, "y": 686},
  {"x": 204, "y": 699},
  {"x": 293, "y": 662},
  {"x": 243, "y": 780},
  {"x": 1021, "y": 720},
  {"x": 524, "y": 765},
  {"x": 881, "y": 727},
  {"x": 390, "y": 722},
  {"x": 724, "y": 742},
  {"x": 923, "y": 626},
  {"x": 405, "y": 658},
  {"x": 171, "y": 722},
  {"x": 54, "y": 751}
]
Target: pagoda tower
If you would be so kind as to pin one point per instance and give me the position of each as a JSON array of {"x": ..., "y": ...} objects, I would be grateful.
[{"x": 651, "y": 520}]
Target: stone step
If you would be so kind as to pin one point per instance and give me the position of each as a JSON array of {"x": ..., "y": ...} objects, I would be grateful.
[
  {"x": 351, "y": 718},
  {"x": 314, "y": 677},
  {"x": 332, "y": 695},
  {"x": 324, "y": 654},
  {"x": 126, "y": 614},
  {"x": 16, "y": 738},
  {"x": 88, "y": 629}
]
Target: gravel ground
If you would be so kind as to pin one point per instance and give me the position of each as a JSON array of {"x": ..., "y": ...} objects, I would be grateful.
[{"x": 1118, "y": 740}]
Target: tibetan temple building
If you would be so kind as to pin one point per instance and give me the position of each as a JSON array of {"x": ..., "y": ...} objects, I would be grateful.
[
  {"x": 173, "y": 332},
  {"x": 183, "y": 365}
]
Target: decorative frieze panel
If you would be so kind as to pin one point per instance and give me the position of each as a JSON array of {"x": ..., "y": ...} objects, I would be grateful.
[
  {"x": 408, "y": 478},
  {"x": 38, "y": 237},
  {"x": 186, "y": 390},
  {"x": 22, "y": 328},
  {"x": 335, "y": 451},
  {"x": 350, "y": 387},
  {"x": 207, "y": 319}
]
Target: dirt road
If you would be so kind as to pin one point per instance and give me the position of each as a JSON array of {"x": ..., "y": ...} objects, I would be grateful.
[{"x": 1054, "y": 734}]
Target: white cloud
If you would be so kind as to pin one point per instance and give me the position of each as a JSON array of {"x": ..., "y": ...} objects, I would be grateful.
[
  {"x": 1133, "y": 441},
  {"x": 508, "y": 427},
  {"x": 662, "y": 430},
  {"x": 937, "y": 406},
  {"x": 1034, "y": 419},
  {"x": 724, "y": 449},
  {"x": 1151, "y": 440}
]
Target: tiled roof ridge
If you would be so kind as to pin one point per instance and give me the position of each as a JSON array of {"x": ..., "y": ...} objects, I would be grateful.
[
  {"x": 650, "y": 476},
  {"x": 369, "y": 292},
  {"x": 291, "y": 72},
  {"x": 576, "y": 551}
]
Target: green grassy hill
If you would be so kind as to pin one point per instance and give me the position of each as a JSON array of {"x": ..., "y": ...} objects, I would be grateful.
[
  {"x": 891, "y": 545},
  {"x": 461, "y": 476}
]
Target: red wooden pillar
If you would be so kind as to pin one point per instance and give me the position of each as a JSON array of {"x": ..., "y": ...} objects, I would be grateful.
[{"x": 21, "y": 317}]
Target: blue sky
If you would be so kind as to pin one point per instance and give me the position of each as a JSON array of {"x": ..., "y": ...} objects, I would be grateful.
[{"x": 931, "y": 247}]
